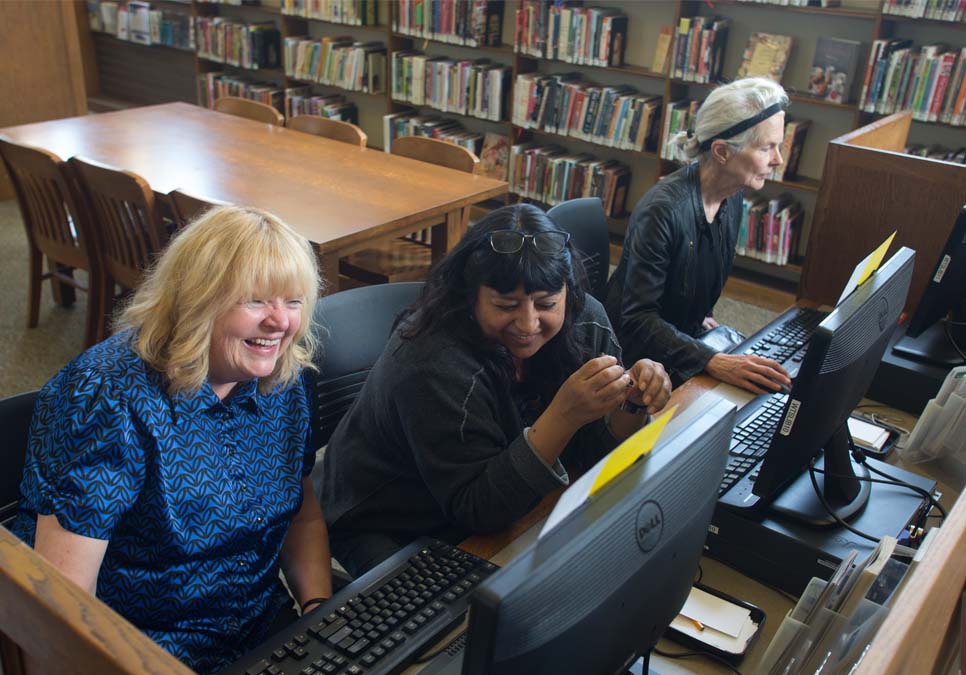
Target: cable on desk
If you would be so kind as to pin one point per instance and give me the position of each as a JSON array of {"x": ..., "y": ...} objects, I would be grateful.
[
  {"x": 949, "y": 336},
  {"x": 700, "y": 575},
  {"x": 707, "y": 655}
]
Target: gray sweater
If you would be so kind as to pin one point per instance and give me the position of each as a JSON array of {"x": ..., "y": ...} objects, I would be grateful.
[{"x": 434, "y": 444}]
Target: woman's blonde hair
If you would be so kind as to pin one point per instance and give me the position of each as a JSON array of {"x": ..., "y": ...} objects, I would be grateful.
[
  {"x": 226, "y": 255},
  {"x": 725, "y": 107}
]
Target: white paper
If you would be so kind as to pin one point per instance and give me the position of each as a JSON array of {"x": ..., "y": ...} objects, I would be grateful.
[
  {"x": 714, "y": 612},
  {"x": 853, "y": 281}
]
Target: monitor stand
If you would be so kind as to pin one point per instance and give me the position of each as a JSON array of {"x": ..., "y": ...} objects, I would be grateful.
[
  {"x": 846, "y": 487},
  {"x": 933, "y": 345}
]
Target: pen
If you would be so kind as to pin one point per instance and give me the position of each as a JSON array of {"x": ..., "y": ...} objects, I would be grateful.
[{"x": 697, "y": 624}]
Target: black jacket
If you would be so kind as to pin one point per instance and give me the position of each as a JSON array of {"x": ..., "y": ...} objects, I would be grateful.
[{"x": 671, "y": 273}]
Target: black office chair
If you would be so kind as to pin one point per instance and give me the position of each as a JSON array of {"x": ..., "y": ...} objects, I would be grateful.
[
  {"x": 357, "y": 324},
  {"x": 15, "y": 414},
  {"x": 585, "y": 220}
]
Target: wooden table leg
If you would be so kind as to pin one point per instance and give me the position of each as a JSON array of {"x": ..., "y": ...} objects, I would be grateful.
[{"x": 447, "y": 235}]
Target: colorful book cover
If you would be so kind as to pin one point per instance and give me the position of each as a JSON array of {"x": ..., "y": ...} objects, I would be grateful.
[
  {"x": 833, "y": 69},
  {"x": 766, "y": 55}
]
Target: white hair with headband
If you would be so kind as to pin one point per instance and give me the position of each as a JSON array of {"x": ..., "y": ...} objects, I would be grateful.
[{"x": 728, "y": 106}]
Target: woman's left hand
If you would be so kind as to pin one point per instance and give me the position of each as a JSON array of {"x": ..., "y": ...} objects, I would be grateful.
[
  {"x": 652, "y": 386},
  {"x": 709, "y": 323}
]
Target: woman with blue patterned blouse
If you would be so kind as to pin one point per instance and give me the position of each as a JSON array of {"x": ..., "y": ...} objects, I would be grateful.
[{"x": 168, "y": 469}]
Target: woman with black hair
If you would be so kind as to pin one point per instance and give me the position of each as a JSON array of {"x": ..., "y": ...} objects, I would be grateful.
[{"x": 502, "y": 374}]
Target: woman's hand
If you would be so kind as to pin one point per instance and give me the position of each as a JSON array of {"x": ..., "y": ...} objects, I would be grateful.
[
  {"x": 596, "y": 388},
  {"x": 651, "y": 386},
  {"x": 754, "y": 373},
  {"x": 709, "y": 323}
]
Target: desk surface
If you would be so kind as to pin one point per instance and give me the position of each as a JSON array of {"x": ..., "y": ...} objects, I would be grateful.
[{"x": 339, "y": 196}]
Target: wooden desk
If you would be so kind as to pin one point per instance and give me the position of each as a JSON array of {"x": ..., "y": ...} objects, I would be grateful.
[{"x": 340, "y": 197}]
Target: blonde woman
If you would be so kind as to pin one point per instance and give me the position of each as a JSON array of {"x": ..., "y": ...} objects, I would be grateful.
[
  {"x": 681, "y": 237},
  {"x": 168, "y": 469}
]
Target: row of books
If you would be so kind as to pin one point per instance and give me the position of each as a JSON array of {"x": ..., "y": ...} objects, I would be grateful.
[
  {"x": 137, "y": 22},
  {"x": 697, "y": 49},
  {"x": 301, "y": 101},
  {"x": 397, "y": 125},
  {"x": 615, "y": 116},
  {"x": 337, "y": 61},
  {"x": 474, "y": 88},
  {"x": 677, "y": 118},
  {"x": 473, "y": 23},
  {"x": 770, "y": 229},
  {"x": 589, "y": 36},
  {"x": 351, "y": 12},
  {"x": 938, "y": 10},
  {"x": 938, "y": 152},
  {"x": 246, "y": 45},
  {"x": 550, "y": 174},
  {"x": 212, "y": 86},
  {"x": 798, "y": 3},
  {"x": 930, "y": 82}
]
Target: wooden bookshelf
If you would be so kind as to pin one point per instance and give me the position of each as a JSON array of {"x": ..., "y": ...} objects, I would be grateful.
[{"x": 860, "y": 20}]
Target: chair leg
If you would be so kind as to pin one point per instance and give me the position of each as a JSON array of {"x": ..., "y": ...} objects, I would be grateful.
[
  {"x": 105, "y": 308},
  {"x": 64, "y": 294},
  {"x": 93, "y": 312},
  {"x": 33, "y": 287}
]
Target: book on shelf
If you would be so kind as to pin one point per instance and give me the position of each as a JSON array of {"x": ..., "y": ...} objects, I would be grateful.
[
  {"x": 351, "y": 12},
  {"x": 765, "y": 55},
  {"x": 770, "y": 229},
  {"x": 593, "y": 36},
  {"x": 139, "y": 22},
  {"x": 937, "y": 10},
  {"x": 530, "y": 28},
  {"x": 214, "y": 85},
  {"x": 677, "y": 118},
  {"x": 833, "y": 69},
  {"x": 396, "y": 125},
  {"x": 473, "y": 88},
  {"x": 791, "y": 149},
  {"x": 245, "y": 45},
  {"x": 495, "y": 156},
  {"x": 697, "y": 48},
  {"x": 301, "y": 101},
  {"x": 472, "y": 23},
  {"x": 662, "y": 48}
]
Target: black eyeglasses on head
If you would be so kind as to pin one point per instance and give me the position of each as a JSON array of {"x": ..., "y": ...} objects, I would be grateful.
[{"x": 549, "y": 242}]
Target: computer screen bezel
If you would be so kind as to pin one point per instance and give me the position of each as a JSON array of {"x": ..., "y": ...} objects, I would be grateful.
[
  {"x": 673, "y": 490},
  {"x": 825, "y": 392},
  {"x": 947, "y": 283}
]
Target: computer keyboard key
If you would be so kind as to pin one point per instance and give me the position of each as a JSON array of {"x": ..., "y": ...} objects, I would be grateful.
[
  {"x": 258, "y": 668},
  {"x": 280, "y": 654}
]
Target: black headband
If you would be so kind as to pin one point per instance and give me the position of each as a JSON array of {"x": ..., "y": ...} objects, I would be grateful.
[{"x": 744, "y": 125}]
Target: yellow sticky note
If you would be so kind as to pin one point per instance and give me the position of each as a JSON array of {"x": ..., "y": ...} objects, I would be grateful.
[
  {"x": 628, "y": 452},
  {"x": 874, "y": 260}
]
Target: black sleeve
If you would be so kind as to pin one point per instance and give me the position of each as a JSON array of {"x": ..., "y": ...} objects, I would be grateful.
[{"x": 644, "y": 334}]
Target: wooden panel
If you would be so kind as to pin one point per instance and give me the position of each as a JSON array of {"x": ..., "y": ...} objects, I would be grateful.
[
  {"x": 41, "y": 77},
  {"x": 144, "y": 74},
  {"x": 865, "y": 195},
  {"x": 889, "y": 133}
]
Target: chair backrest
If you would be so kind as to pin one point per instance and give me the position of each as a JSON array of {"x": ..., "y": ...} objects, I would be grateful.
[
  {"x": 47, "y": 203},
  {"x": 356, "y": 326},
  {"x": 586, "y": 222},
  {"x": 253, "y": 110},
  {"x": 337, "y": 130},
  {"x": 187, "y": 206},
  {"x": 125, "y": 220},
  {"x": 15, "y": 414},
  {"x": 436, "y": 151}
]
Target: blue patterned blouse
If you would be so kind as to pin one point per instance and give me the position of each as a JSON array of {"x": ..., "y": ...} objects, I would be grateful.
[{"x": 194, "y": 494}]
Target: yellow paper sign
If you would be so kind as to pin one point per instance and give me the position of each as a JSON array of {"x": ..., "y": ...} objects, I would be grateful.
[
  {"x": 874, "y": 260},
  {"x": 628, "y": 452}
]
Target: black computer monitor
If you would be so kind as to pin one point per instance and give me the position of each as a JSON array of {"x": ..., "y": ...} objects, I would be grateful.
[
  {"x": 929, "y": 337},
  {"x": 843, "y": 355},
  {"x": 597, "y": 591}
]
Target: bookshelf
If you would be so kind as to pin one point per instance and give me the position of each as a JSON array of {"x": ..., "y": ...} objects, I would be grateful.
[{"x": 861, "y": 20}]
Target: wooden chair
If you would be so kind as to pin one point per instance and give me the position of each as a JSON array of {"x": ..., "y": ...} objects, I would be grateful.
[
  {"x": 585, "y": 220},
  {"x": 187, "y": 207},
  {"x": 337, "y": 130},
  {"x": 127, "y": 225},
  {"x": 253, "y": 110},
  {"x": 408, "y": 258},
  {"x": 15, "y": 414},
  {"x": 55, "y": 228}
]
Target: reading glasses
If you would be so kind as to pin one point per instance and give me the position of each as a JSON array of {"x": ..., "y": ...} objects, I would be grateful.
[{"x": 549, "y": 242}]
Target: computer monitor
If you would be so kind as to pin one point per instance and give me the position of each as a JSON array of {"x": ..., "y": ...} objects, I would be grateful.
[
  {"x": 842, "y": 357},
  {"x": 597, "y": 590},
  {"x": 928, "y": 337}
]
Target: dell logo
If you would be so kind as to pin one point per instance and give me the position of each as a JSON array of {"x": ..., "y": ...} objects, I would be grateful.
[
  {"x": 649, "y": 525},
  {"x": 883, "y": 310}
]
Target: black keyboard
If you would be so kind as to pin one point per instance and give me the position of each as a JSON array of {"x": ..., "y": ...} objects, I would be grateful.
[
  {"x": 381, "y": 622},
  {"x": 785, "y": 339},
  {"x": 751, "y": 438}
]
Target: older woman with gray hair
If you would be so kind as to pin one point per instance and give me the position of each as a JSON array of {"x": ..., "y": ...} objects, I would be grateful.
[
  {"x": 167, "y": 470},
  {"x": 681, "y": 236}
]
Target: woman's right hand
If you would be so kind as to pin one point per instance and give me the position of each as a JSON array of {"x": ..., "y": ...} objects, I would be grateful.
[
  {"x": 596, "y": 388},
  {"x": 753, "y": 373}
]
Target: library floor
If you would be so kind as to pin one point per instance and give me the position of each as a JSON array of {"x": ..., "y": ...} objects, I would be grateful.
[{"x": 30, "y": 357}]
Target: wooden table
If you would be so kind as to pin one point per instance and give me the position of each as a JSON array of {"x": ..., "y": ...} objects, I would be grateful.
[{"x": 338, "y": 196}]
